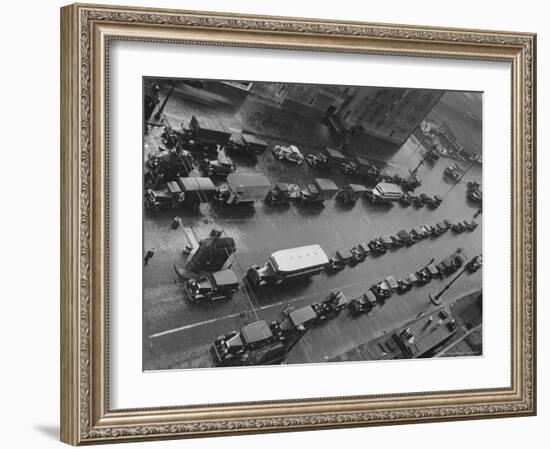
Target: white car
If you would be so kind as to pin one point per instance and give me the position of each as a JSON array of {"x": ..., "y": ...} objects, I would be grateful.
[{"x": 290, "y": 153}]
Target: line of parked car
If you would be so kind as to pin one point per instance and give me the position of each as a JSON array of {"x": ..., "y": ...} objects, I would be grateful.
[
  {"x": 381, "y": 245},
  {"x": 359, "y": 167},
  {"x": 383, "y": 290}
]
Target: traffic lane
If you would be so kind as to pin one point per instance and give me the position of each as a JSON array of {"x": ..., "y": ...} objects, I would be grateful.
[
  {"x": 174, "y": 311},
  {"x": 345, "y": 332},
  {"x": 271, "y": 230},
  {"x": 165, "y": 306},
  {"x": 325, "y": 341}
]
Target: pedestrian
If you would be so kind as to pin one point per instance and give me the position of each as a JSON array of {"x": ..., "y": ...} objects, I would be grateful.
[{"x": 149, "y": 255}]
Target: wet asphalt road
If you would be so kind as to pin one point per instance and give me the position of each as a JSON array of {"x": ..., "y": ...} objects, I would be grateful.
[{"x": 261, "y": 229}]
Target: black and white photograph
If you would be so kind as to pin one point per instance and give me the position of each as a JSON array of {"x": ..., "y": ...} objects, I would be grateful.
[{"x": 289, "y": 223}]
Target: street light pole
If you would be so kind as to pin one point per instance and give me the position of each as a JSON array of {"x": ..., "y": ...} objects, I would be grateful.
[{"x": 436, "y": 299}]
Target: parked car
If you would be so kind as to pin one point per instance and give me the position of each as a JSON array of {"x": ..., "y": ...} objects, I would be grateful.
[
  {"x": 351, "y": 193},
  {"x": 290, "y": 153},
  {"x": 282, "y": 193},
  {"x": 404, "y": 237},
  {"x": 428, "y": 273},
  {"x": 377, "y": 247},
  {"x": 340, "y": 259},
  {"x": 363, "y": 303},
  {"x": 317, "y": 160},
  {"x": 212, "y": 287},
  {"x": 452, "y": 263},
  {"x": 222, "y": 166},
  {"x": 443, "y": 226},
  {"x": 454, "y": 171},
  {"x": 247, "y": 144},
  {"x": 360, "y": 252},
  {"x": 475, "y": 264},
  {"x": 407, "y": 283}
]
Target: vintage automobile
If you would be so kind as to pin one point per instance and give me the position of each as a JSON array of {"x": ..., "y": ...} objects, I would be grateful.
[
  {"x": 294, "y": 322},
  {"x": 212, "y": 287},
  {"x": 363, "y": 303},
  {"x": 464, "y": 226},
  {"x": 416, "y": 201},
  {"x": 340, "y": 259},
  {"x": 475, "y": 264},
  {"x": 360, "y": 252},
  {"x": 470, "y": 225},
  {"x": 235, "y": 347},
  {"x": 407, "y": 283},
  {"x": 459, "y": 227},
  {"x": 222, "y": 166},
  {"x": 171, "y": 196},
  {"x": 317, "y": 160},
  {"x": 454, "y": 171},
  {"x": 331, "y": 306},
  {"x": 167, "y": 165},
  {"x": 387, "y": 241},
  {"x": 351, "y": 193},
  {"x": 367, "y": 170},
  {"x": 428, "y": 273},
  {"x": 196, "y": 191},
  {"x": 431, "y": 202},
  {"x": 320, "y": 190},
  {"x": 384, "y": 289},
  {"x": 384, "y": 192},
  {"x": 474, "y": 192},
  {"x": 243, "y": 188},
  {"x": 406, "y": 199},
  {"x": 443, "y": 226},
  {"x": 420, "y": 233},
  {"x": 376, "y": 246},
  {"x": 452, "y": 263},
  {"x": 403, "y": 238},
  {"x": 206, "y": 135},
  {"x": 246, "y": 144},
  {"x": 410, "y": 184},
  {"x": 335, "y": 157},
  {"x": 290, "y": 153},
  {"x": 350, "y": 168},
  {"x": 282, "y": 193}
]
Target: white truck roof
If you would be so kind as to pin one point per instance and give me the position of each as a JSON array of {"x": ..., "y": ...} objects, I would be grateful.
[{"x": 295, "y": 259}]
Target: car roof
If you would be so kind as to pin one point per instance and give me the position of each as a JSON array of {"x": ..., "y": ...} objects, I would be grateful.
[
  {"x": 302, "y": 315},
  {"x": 256, "y": 331},
  {"x": 326, "y": 184},
  {"x": 225, "y": 277},
  {"x": 358, "y": 187},
  {"x": 196, "y": 183},
  {"x": 292, "y": 259},
  {"x": 173, "y": 187}
]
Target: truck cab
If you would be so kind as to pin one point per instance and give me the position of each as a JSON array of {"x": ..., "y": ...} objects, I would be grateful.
[
  {"x": 212, "y": 287},
  {"x": 234, "y": 346},
  {"x": 247, "y": 144},
  {"x": 243, "y": 188},
  {"x": 320, "y": 190}
]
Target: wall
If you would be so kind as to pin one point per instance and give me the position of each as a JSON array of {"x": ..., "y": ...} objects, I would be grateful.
[{"x": 30, "y": 220}]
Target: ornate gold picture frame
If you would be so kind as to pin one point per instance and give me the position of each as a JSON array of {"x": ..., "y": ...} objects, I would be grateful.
[{"x": 86, "y": 32}]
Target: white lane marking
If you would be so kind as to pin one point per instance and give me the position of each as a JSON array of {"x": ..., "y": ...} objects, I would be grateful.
[{"x": 234, "y": 315}]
